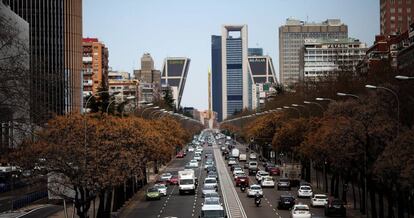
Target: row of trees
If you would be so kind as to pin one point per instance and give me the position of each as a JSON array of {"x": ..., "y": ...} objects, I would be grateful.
[
  {"x": 113, "y": 155},
  {"x": 354, "y": 140}
]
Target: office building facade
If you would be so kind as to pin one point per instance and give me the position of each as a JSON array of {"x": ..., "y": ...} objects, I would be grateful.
[
  {"x": 328, "y": 57},
  {"x": 255, "y": 52},
  {"x": 148, "y": 73},
  {"x": 216, "y": 76},
  {"x": 236, "y": 82},
  {"x": 55, "y": 28},
  {"x": 95, "y": 66},
  {"x": 291, "y": 40},
  {"x": 174, "y": 75},
  {"x": 396, "y": 16}
]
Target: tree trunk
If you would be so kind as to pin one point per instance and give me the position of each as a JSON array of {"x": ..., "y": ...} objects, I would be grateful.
[
  {"x": 333, "y": 185},
  {"x": 381, "y": 202},
  {"x": 353, "y": 193},
  {"x": 401, "y": 204},
  {"x": 390, "y": 202},
  {"x": 336, "y": 188},
  {"x": 326, "y": 178},
  {"x": 362, "y": 198},
  {"x": 345, "y": 190},
  {"x": 372, "y": 195}
]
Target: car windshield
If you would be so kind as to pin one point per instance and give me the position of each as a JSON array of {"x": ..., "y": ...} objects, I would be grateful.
[
  {"x": 212, "y": 201},
  {"x": 253, "y": 164},
  {"x": 210, "y": 181},
  {"x": 283, "y": 180},
  {"x": 212, "y": 213},
  {"x": 321, "y": 196},
  {"x": 159, "y": 186},
  {"x": 186, "y": 182},
  {"x": 301, "y": 208},
  {"x": 255, "y": 188},
  {"x": 212, "y": 195},
  {"x": 166, "y": 175},
  {"x": 152, "y": 190},
  {"x": 264, "y": 174},
  {"x": 208, "y": 187},
  {"x": 268, "y": 178},
  {"x": 286, "y": 198},
  {"x": 305, "y": 188}
]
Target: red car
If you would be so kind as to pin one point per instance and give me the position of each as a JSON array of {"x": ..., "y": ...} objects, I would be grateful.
[
  {"x": 174, "y": 180},
  {"x": 242, "y": 179},
  {"x": 180, "y": 155},
  {"x": 274, "y": 171}
]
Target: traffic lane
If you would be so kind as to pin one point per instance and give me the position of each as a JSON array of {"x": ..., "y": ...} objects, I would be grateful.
[
  {"x": 272, "y": 194},
  {"x": 201, "y": 183},
  {"x": 43, "y": 212},
  {"x": 264, "y": 210},
  {"x": 157, "y": 208}
]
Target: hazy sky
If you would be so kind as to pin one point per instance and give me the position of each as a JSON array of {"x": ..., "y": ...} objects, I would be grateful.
[{"x": 184, "y": 28}]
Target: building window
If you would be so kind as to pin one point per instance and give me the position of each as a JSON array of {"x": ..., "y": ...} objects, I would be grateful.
[
  {"x": 408, "y": 10},
  {"x": 392, "y": 10}
]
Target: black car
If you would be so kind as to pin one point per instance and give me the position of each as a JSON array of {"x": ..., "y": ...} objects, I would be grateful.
[
  {"x": 286, "y": 202},
  {"x": 335, "y": 207},
  {"x": 283, "y": 183}
]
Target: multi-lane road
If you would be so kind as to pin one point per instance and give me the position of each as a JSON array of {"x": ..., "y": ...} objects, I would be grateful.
[{"x": 236, "y": 203}]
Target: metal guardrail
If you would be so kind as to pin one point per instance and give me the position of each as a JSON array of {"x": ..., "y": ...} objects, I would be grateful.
[{"x": 28, "y": 199}]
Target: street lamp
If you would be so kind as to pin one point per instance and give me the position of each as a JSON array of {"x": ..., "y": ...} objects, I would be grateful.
[
  {"x": 349, "y": 95},
  {"x": 315, "y": 103},
  {"x": 324, "y": 99},
  {"x": 399, "y": 77},
  {"x": 299, "y": 105},
  {"x": 127, "y": 99},
  {"x": 155, "y": 112},
  {"x": 149, "y": 106},
  {"x": 396, "y": 97}
]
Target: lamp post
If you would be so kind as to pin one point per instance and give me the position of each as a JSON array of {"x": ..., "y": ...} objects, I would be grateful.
[
  {"x": 400, "y": 77},
  {"x": 342, "y": 94},
  {"x": 315, "y": 103},
  {"x": 306, "y": 109},
  {"x": 128, "y": 98},
  {"x": 287, "y": 107},
  {"x": 396, "y": 97},
  {"x": 155, "y": 112},
  {"x": 324, "y": 99}
]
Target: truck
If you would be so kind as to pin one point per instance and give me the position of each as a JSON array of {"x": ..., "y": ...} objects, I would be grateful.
[
  {"x": 235, "y": 153},
  {"x": 253, "y": 168},
  {"x": 242, "y": 157},
  {"x": 187, "y": 182},
  {"x": 291, "y": 171}
]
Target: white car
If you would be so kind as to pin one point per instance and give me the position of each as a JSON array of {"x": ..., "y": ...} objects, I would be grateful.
[
  {"x": 319, "y": 200},
  {"x": 261, "y": 174},
  {"x": 305, "y": 191},
  {"x": 300, "y": 211},
  {"x": 193, "y": 163},
  {"x": 190, "y": 149},
  {"x": 267, "y": 181},
  {"x": 253, "y": 190},
  {"x": 237, "y": 170},
  {"x": 210, "y": 182},
  {"x": 197, "y": 157},
  {"x": 166, "y": 176},
  {"x": 232, "y": 161},
  {"x": 162, "y": 188}
]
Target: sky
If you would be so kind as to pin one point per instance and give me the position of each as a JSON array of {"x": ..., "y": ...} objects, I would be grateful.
[{"x": 183, "y": 28}]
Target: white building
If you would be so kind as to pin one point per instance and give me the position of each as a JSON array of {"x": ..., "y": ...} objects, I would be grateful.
[{"x": 327, "y": 57}]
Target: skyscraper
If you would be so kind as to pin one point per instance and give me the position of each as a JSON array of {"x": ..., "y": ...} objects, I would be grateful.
[
  {"x": 236, "y": 81},
  {"x": 148, "y": 73},
  {"x": 291, "y": 39},
  {"x": 174, "y": 75},
  {"x": 95, "y": 66},
  {"x": 261, "y": 69},
  {"x": 396, "y": 16},
  {"x": 55, "y": 55},
  {"x": 255, "y": 52},
  {"x": 216, "y": 76}
]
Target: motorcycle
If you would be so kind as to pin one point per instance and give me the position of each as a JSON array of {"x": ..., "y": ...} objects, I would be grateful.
[
  {"x": 257, "y": 201},
  {"x": 242, "y": 188}
]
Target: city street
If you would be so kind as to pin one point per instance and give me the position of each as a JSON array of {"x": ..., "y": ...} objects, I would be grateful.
[{"x": 239, "y": 205}]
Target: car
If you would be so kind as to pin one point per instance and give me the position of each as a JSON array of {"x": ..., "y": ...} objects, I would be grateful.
[
  {"x": 232, "y": 161},
  {"x": 238, "y": 171},
  {"x": 274, "y": 171},
  {"x": 242, "y": 179},
  {"x": 211, "y": 169},
  {"x": 212, "y": 195},
  {"x": 211, "y": 201},
  {"x": 174, "y": 180},
  {"x": 268, "y": 166},
  {"x": 253, "y": 190},
  {"x": 335, "y": 207},
  {"x": 208, "y": 189},
  {"x": 208, "y": 164},
  {"x": 193, "y": 163},
  {"x": 253, "y": 168},
  {"x": 180, "y": 155},
  {"x": 162, "y": 188},
  {"x": 190, "y": 149},
  {"x": 208, "y": 155},
  {"x": 285, "y": 202},
  {"x": 197, "y": 157},
  {"x": 319, "y": 200},
  {"x": 283, "y": 183},
  {"x": 152, "y": 194},
  {"x": 213, "y": 174},
  {"x": 305, "y": 191},
  {"x": 166, "y": 177},
  {"x": 211, "y": 181},
  {"x": 300, "y": 211},
  {"x": 222, "y": 148},
  {"x": 235, "y": 166},
  {"x": 252, "y": 156},
  {"x": 237, "y": 175},
  {"x": 261, "y": 174},
  {"x": 267, "y": 181}
]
